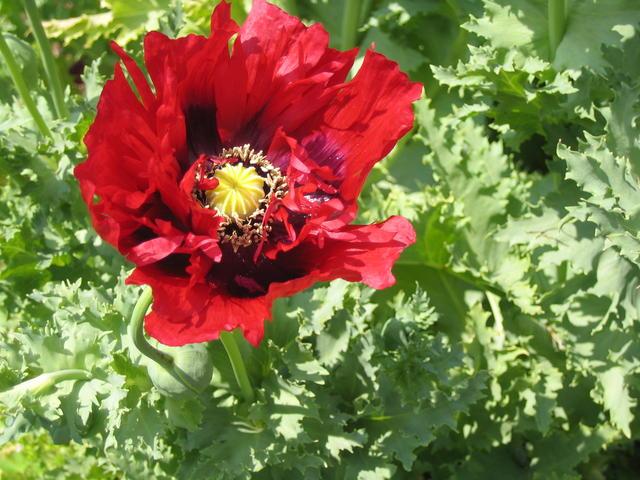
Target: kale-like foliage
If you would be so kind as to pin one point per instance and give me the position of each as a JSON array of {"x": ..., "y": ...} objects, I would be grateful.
[{"x": 509, "y": 347}]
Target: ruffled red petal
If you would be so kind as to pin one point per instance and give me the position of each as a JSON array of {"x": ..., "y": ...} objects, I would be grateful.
[
  {"x": 190, "y": 310},
  {"x": 136, "y": 152},
  {"x": 115, "y": 171},
  {"x": 363, "y": 122},
  {"x": 185, "y": 311},
  {"x": 365, "y": 253},
  {"x": 277, "y": 64}
]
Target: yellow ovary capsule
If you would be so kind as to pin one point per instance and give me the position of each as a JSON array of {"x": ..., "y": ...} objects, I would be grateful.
[{"x": 239, "y": 192}]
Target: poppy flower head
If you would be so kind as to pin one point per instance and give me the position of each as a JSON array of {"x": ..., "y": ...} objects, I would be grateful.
[{"x": 235, "y": 179}]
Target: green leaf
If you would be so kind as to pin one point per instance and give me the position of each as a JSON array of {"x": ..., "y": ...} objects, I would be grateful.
[
  {"x": 522, "y": 25},
  {"x": 616, "y": 399}
]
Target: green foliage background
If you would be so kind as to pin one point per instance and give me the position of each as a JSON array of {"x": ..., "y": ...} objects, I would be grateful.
[{"x": 510, "y": 346}]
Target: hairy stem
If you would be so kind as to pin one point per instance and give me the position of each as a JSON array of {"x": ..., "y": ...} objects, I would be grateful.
[
  {"x": 365, "y": 10},
  {"x": 21, "y": 87},
  {"x": 350, "y": 23},
  {"x": 44, "y": 382},
  {"x": 557, "y": 18},
  {"x": 53, "y": 78},
  {"x": 136, "y": 332},
  {"x": 237, "y": 363}
]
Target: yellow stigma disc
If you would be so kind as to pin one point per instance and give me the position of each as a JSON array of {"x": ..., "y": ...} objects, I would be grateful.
[{"x": 239, "y": 192}]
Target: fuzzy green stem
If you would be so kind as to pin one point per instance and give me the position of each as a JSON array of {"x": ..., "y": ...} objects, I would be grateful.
[
  {"x": 237, "y": 363},
  {"x": 21, "y": 87},
  {"x": 350, "y": 23},
  {"x": 557, "y": 18},
  {"x": 136, "y": 332},
  {"x": 53, "y": 78},
  {"x": 365, "y": 10},
  {"x": 43, "y": 382}
]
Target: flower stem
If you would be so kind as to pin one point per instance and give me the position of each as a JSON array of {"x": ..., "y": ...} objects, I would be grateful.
[
  {"x": 237, "y": 363},
  {"x": 365, "y": 10},
  {"x": 557, "y": 18},
  {"x": 53, "y": 78},
  {"x": 43, "y": 382},
  {"x": 350, "y": 23},
  {"x": 21, "y": 87},
  {"x": 136, "y": 332}
]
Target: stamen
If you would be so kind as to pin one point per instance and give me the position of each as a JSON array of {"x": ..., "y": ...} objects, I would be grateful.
[{"x": 246, "y": 185}]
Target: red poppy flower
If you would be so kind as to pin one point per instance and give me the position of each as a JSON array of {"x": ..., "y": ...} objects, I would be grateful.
[{"x": 233, "y": 181}]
